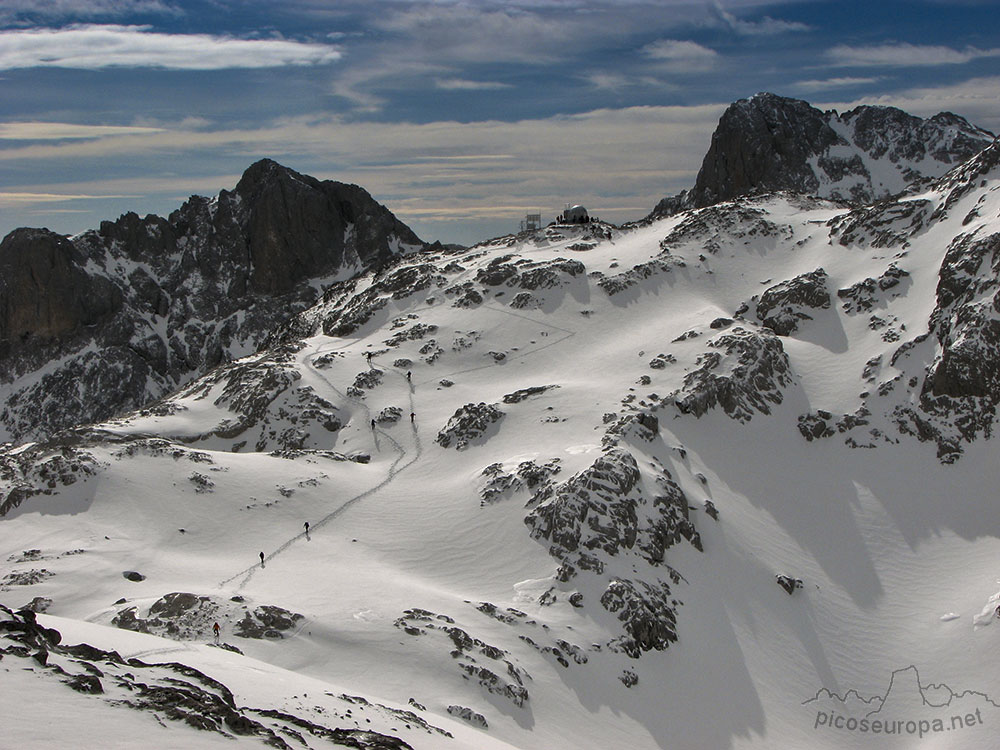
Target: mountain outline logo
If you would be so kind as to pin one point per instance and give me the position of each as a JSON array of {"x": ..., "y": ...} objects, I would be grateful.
[{"x": 908, "y": 707}]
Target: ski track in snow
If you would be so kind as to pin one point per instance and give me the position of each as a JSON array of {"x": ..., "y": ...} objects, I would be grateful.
[{"x": 394, "y": 469}]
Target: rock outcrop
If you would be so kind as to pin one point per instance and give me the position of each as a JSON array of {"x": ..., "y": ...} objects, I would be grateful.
[
  {"x": 783, "y": 306},
  {"x": 743, "y": 372},
  {"x": 171, "y": 691}
]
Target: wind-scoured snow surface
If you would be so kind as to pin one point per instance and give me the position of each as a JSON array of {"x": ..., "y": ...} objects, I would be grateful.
[{"x": 551, "y": 509}]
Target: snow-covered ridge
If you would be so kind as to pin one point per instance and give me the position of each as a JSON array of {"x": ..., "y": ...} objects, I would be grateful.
[{"x": 724, "y": 478}]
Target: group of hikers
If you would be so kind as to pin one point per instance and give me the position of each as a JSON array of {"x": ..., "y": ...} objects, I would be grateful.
[
  {"x": 409, "y": 379},
  {"x": 413, "y": 416}
]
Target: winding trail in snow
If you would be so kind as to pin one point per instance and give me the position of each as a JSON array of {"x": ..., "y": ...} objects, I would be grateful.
[
  {"x": 394, "y": 468},
  {"x": 393, "y": 472}
]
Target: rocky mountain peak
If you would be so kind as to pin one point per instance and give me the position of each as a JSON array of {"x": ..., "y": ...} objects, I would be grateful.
[
  {"x": 264, "y": 174},
  {"x": 767, "y": 143},
  {"x": 141, "y": 305},
  {"x": 763, "y": 144},
  {"x": 296, "y": 226}
]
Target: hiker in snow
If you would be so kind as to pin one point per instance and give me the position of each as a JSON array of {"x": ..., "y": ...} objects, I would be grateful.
[
  {"x": 412, "y": 417},
  {"x": 262, "y": 559},
  {"x": 215, "y": 629},
  {"x": 307, "y": 527},
  {"x": 409, "y": 376}
]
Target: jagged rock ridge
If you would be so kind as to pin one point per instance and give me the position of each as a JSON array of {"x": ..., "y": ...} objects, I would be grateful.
[{"x": 116, "y": 317}]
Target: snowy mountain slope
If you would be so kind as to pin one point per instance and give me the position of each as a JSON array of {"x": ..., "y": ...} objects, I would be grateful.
[{"x": 578, "y": 534}]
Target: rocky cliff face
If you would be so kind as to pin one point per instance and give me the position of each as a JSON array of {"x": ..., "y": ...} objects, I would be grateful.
[
  {"x": 768, "y": 143},
  {"x": 940, "y": 385},
  {"x": 119, "y": 316}
]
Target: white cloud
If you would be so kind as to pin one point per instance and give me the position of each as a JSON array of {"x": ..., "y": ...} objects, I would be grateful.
[
  {"x": 13, "y": 10},
  {"x": 681, "y": 56},
  {"x": 459, "y": 32},
  {"x": 766, "y": 26},
  {"x": 620, "y": 162},
  {"x": 93, "y": 47},
  {"x": 388, "y": 72},
  {"x": 609, "y": 81},
  {"x": 17, "y": 199},
  {"x": 616, "y": 81},
  {"x": 833, "y": 83},
  {"x": 461, "y": 84},
  {"x": 48, "y": 131},
  {"x": 905, "y": 55}
]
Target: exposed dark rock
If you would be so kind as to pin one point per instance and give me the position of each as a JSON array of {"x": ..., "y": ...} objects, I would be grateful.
[
  {"x": 603, "y": 511},
  {"x": 660, "y": 361},
  {"x": 867, "y": 293},
  {"x": 469, "y": 424},
  {"x": 744, "y": 371},
  {"x": 466, "y": 648},
  {"x": 783, "y": 305},
  {"x": 46, "y": 294},
  {"x": 501, "y": 484},
  {"x": 594, "y": 509},
  {"x": 816, "y": 426},
  {"x": 618, "y": 283},
  {"x": 38, "y": 604},
  {"x": 520, "y": 395},
  {"x": 389, "y": 415},
  {"x": 266, "y": 621},
  {"x": 789, "y": 584},
  {"x": 467, "y": 714},
  {"x": 42, "y": 469},
  {"x": 86, "y": 683},
  {"x": 886, "y": 224},
  {"x": 731, "y": 224},
  {"x": 962, "y": 385},
  {"x": 525, "y": 301},
  {"x": 271, "y": 409},
  {"x": 528, "y": 274},
  {"x": 516, "y": 694},
  {"x": 413, "y": 333},
  {"x": 645, "y": 611}
]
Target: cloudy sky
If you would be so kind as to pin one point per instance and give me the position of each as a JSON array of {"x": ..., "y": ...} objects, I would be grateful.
[{"x": 459, "y": 115}]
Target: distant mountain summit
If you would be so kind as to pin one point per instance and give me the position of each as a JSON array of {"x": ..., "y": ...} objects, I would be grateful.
[
  {"x": 117, "y": 317},
  {"x": 768, "y": 143}
]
